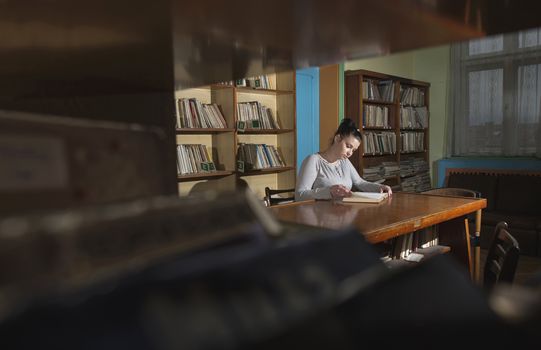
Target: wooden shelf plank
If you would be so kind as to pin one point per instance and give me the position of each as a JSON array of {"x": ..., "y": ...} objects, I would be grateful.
[
  {"x": 378, "y": 102},
  {"x": 378, "y": 128},
  {"x": 221, "y": 86},
  {"x": 379, "y": 155},
  {"x": 413, "y": 129},
  {"x": 408, "y": 105},
  {"x": 265, "y": 171},
  {"x": 264, "y": 131},
  {"x": 412, "y": 152},
  {"x": 252, "y": 90},
  {"x": 203, "y": 130},
  {"x": 203, "y": 176}
]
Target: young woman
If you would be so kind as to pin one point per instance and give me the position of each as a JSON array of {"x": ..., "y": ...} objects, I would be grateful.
[{"x": 330, "y": 174}]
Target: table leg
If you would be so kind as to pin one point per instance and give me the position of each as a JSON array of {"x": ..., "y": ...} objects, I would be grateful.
[{"x": 477, "y": 249}]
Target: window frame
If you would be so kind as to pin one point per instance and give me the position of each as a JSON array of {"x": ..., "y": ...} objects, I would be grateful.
[{"x": 510, "y": 59}]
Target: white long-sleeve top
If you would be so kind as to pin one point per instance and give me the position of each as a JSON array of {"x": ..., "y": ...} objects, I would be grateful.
[{"x": 318, "y": 175}]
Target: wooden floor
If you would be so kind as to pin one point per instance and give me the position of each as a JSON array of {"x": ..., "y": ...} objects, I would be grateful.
[{"x": 527, "y": 266}]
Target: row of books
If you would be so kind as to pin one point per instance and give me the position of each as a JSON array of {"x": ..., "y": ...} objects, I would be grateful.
[
  {"x": 193, "y": 158},
  {"x": 378, "y": 90},
  {"x": 379, "y": 143},
  {"x": 257, "y": 82},
  {"x": 191, "y": 113},
  {"x": 254, "y": 115},
  {"x": 412, "y": 96},
  {"x": 412, "y": 141},
  {"x": 376, "y": 116},
  {"x": 381, "y": 171},
  {"x": 402, "y": 246},
  {"x": 413, "y": 117},
  {"x": 252, "y": 156}
]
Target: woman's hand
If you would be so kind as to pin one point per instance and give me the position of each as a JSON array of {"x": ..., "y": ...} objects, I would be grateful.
[
  {"x": 340, "y": 191},
  {"x": 385, "y": 188}
]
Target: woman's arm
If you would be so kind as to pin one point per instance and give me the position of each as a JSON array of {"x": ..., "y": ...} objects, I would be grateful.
[
  {"x": 305, "y": 181},
  {"x": 361, "y": 184}
]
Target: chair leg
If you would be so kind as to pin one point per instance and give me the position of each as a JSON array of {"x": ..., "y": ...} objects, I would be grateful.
[
  {"x": 468, "y": 247},
  {"x": 477, "y": 248}
]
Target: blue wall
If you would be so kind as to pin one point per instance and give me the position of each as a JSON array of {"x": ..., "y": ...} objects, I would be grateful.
[
  {"x": 485, "y": 163},
  {"x": 307, "y": 113}
]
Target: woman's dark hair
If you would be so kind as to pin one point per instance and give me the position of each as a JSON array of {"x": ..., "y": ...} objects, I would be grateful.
[{"x": 348, "y": 128}]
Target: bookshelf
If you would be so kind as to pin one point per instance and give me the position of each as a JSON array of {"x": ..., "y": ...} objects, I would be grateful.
[
  {"x": 278, "y": 97},
  {"x": 393, "y": 116}
]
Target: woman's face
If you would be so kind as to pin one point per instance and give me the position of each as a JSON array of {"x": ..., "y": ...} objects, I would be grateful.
[{"x": 346, "y": 145}]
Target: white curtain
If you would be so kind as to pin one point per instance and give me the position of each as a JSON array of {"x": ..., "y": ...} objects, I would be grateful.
[{"x": 495, "y": 96}]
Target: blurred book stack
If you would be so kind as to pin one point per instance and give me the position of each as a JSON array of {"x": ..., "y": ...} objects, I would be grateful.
[{"x": 415, "y": 175}]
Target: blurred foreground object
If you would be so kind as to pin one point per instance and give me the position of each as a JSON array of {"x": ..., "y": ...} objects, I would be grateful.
[
  {"x": 137, "y": 46},
  {"x": 319, "y": 289},
  {"x": 58, "y": 253},
  {"x": 52, "y": 162}
]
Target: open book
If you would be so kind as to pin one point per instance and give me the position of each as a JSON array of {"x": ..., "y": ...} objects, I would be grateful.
[{"x": 366, "y": 197}]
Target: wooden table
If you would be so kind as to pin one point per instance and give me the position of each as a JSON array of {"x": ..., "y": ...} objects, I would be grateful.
[{"x": 402, "y": 213}]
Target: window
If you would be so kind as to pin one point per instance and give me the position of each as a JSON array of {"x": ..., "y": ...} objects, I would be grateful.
[{"x": 496, "y": 95}]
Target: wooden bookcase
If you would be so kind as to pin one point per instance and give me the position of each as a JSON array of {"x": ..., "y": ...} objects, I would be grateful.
[
  {"x": 360, "y": 103},
  {"x": 224, "y": 142}
]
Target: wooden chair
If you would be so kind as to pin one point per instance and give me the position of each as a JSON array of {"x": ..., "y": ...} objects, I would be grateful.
[
  {"x": 502, "y": 257},
  {"x": 453, "y": 191},
  {"x": 226, "y": 184},
  {"x": 274, "y": 197}
]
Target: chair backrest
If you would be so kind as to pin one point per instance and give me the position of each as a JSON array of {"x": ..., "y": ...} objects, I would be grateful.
[
  {"x": 274, "y": 197},
  {"x": 454, "y": 191},
  {"x": 502, "y": 257},
  {"x": 226, "y": 184}
]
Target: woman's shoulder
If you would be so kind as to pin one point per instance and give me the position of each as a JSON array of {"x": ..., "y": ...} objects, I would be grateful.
[
  {"x": 312, "y": 160},
  {"x": 345, "y": 162},
  {"x": 315, "y": 157}
]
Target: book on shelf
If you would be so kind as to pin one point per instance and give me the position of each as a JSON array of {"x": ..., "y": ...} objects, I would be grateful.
[
  {"x": 258, "y": 156},
  {"x": 193, "y": 159},
  {"x": 378, "y": 90},
  {"x": 366, "y": 197},
  {"x": 413, "y": 117},
  {"x": 412, "y": 141},
  {"x": 375, "y": 116},
  {"x": 386, "y": 90},
  {"x": 191, "y": 113},
  {"x": 379, "y": 143},
  {"x": 256, "y": 116},
  {"x": 412, "y": 96},
  {"x": 256, "y": 82}
]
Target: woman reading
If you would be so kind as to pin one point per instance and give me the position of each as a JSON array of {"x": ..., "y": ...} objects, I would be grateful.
[{"x": 330, "y": 174}]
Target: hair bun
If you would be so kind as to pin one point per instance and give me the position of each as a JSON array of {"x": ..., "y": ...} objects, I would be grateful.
[{"x": 347, "y": 125}]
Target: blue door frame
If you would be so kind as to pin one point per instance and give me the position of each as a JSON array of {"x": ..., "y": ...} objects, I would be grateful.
[{"x": 307, "y": 91}]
